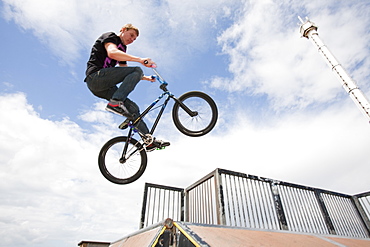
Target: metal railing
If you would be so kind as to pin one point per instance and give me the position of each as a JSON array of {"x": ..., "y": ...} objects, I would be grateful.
[
  {"x": 161, "y": 202},
  {"x": 362, "y": 203},
  {"x": 235, "y": 199}
]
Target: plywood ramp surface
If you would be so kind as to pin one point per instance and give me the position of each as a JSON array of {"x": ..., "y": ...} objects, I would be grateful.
[
  {"x": 223, "y": 236},
  {"x": 141, "y": 239},
  {"x": 235, "y": 237}
]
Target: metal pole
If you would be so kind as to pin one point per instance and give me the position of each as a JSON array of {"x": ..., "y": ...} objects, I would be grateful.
[{"x": 309, "y": 30}]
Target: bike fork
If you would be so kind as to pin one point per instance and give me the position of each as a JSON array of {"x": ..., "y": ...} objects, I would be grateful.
[
  {"x": 124, "y": 151},
  {"x": 146, "y": 138},
  {"x": 186, "y": 109}
]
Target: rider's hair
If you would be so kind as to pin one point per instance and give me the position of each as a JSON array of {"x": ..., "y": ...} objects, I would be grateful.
[{"x": 129, "y": 26}]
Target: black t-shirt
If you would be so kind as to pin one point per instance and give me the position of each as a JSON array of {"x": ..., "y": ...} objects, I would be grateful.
[{"x": 99, "y": 58}]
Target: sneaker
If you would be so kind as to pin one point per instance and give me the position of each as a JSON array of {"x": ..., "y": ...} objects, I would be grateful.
[
  {"x": 157, "y": 144},
  {"x": 118, "y": 107}
]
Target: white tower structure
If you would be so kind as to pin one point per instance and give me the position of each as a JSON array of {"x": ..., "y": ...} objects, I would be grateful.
[{"x": 309, "y": 30}]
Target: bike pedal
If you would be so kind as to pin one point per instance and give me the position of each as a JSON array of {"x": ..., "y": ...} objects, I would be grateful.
[
  {"x": 124, "y": 125},
  {"x": 161, "y": 148}
]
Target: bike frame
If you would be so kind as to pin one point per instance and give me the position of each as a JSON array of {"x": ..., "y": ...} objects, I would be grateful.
[
  {"x": 168, "y": 95},
  {"x": 150, "y": 107}
]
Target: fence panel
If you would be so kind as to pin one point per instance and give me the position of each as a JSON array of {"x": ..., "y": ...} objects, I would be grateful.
[
  {"x": 362, "y": 201},
  {"x": 161, "y": 202},
  {"x": 345, "y": 216},
  {"x": 236, "y": 199},
  {"x": 201, "y": 202},
  {"x": 248, "y": 202}
]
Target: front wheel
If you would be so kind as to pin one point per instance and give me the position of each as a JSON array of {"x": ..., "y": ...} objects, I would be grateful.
[
  {"x": 194, "y": 113},
  {"x": 122, "y": 160}
]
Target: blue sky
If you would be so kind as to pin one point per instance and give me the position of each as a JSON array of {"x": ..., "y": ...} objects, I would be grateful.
[{"x": 283, "y": 113}]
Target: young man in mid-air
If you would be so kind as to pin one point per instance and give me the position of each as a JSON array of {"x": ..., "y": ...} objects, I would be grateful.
[{"x": 103, "y": 75}]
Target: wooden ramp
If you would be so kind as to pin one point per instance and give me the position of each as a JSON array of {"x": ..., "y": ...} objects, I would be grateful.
[{"x": 194, "y": 235}]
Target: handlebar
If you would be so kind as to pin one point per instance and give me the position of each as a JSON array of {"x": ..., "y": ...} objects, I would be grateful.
[
  {"x": 157, "y": 76},
  {"x": 161, "y": 81}
]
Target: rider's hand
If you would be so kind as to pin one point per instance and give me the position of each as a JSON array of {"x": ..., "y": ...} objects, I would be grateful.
[
  {"x": 148, "y": 78},
  {"x": 147, "y": 62}
]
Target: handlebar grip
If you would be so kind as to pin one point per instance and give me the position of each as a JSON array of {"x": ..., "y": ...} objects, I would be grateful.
[{"x": 153, "y": 65}]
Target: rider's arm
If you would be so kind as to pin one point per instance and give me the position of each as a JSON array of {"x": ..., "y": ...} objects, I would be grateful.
[
  {"x": 116, "y": 54},
  {"x": 148, "y": 78}
]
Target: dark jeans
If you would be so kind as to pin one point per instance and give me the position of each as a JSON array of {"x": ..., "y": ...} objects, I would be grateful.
[{"x": 103, "y": 84}]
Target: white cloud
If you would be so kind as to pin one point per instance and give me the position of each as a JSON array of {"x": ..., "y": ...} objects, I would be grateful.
[
  {"x": 174, "y": 29},
  {"x": 55, "y": 23},
  {"x": 50, "y": 183},
  {"x": 328, "y": 150},
  {"x": 267, "y": 57}
]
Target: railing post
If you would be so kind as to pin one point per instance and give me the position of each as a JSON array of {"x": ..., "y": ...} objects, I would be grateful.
[
  {"x": 278, "y": 206},
  {"x": 183, "y": 198},
  {"x": 143, "y": 209},
  {"x": 220, "y": 204},
  {"x": 324, "y": 212},
  {"x": 362, "y": 213}
]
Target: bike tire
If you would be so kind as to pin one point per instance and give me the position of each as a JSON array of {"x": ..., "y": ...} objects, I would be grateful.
[
  {"x": 117, "y": 171},
  {"x": 200, "y": 124}
]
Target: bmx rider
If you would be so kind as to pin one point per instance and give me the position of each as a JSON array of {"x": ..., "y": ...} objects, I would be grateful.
[{"x": 107, "y": 67}]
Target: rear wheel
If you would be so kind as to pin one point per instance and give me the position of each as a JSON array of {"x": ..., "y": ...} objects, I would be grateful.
[
  {"x": 119, "y": 167},
  {"x": 203, "y": 115}
]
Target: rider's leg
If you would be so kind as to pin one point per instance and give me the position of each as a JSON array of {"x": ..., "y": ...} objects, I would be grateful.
[
  {"x": 133, "y": 108},
  {"x": 106, "y": 94},
  {"x": 103, "y": 83},
  {"x": 128, "y": 84}
]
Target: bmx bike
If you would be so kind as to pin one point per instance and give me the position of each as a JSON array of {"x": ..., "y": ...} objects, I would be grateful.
[{"x": 123, "y": 159}]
